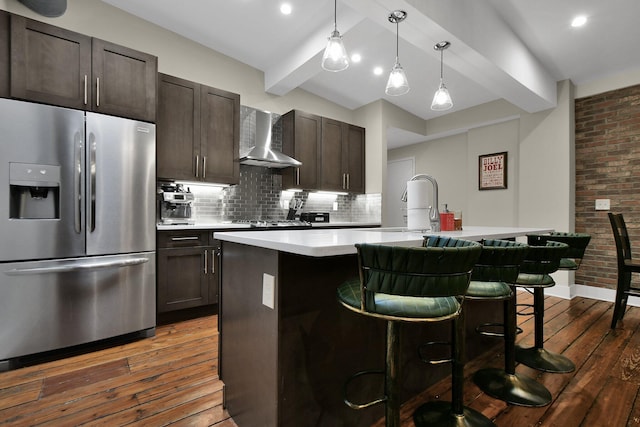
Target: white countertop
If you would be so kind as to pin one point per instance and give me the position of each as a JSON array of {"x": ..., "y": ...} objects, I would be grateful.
[
  {"x": 318, "y": 242},
  {"x": 227, "y": 225}
]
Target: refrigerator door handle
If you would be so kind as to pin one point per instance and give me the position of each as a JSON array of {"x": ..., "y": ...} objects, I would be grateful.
[
  {"x": 77, "y": 181},
  {"x": 77, "y": 266},
  {"x": 92, "y": 183}
]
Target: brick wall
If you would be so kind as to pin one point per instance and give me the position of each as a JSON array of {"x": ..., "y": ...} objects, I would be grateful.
[{"x": 607, "y": 167}]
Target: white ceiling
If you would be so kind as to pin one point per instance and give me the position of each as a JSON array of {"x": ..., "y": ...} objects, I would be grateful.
[{"x": 500, "y": 49}]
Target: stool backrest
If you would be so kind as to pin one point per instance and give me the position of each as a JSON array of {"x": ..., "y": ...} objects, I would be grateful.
[
  {"x": 499, "y": 261},
  {"x": 544, "y": 259},
  {"x": 621, "y": 237},
  {"x": 417, "y": 271},
  {"x": 577, "y": 242}
]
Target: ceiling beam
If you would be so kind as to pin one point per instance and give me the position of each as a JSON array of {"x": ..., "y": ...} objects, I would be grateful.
[{"x": 296, "y": 67}]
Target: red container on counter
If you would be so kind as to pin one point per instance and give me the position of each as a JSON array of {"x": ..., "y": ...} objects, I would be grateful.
[{"x": 446, "y": 221}]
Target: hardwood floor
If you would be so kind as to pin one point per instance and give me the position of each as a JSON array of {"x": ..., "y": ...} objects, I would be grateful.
[{"x": 172, "y": 378}]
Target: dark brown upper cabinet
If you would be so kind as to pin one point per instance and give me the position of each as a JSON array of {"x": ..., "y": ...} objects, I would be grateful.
[
  {"x": 56, "y": 66},
  {"x": 353, "y": 158},
  {"x": 331, "y": 152},
  {"x": 198, "y": 132},
  {"x": 301, "y": 140},
  {"x": 4, "y": 54}
]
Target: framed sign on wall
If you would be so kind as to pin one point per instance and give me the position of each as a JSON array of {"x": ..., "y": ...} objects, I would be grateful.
[{"x": 492, "y": 171}]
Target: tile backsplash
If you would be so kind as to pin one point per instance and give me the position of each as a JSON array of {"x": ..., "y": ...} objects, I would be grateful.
[{"x": 259, "y": 194}]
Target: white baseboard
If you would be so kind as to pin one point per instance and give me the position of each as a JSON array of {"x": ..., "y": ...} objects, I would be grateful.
[{"x": 602, "y": 294}]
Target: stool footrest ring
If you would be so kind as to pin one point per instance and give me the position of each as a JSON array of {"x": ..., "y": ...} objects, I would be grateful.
[
  {"x": 426, "y": 359},
  {"x": 362, "y": 405},
  {"x": 525, "y": 313},
  {"x": 486, "y": 329}
]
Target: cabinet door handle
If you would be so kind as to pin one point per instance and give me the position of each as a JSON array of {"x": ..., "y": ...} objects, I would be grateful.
[
  {"x": 85, "y": 89},
  {"x": 297, "y": 176},
  {"x": 197, "y": 164},
  {"x": 204, "y": 167},
  {"x": 213, "y": 262},
  {"x": 178, "y": 239},
  {"x": 97, "y": 91},
  {"x": 348, "y": 181},
  {"x": 344, "y": 181},
  {"x": 206, "y": 257}
]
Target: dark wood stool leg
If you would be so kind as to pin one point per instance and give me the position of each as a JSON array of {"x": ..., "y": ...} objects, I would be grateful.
[
  {"x": 624, "y": 282},
  {"x": 454, "y": 413},
  {"x": 392, "y": 406},
  {"x": 506, "y": 384},
  {"x": 537, "y": 357}
]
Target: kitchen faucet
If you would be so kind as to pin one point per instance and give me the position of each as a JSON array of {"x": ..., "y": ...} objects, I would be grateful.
[{"x": 434, "y": 215}]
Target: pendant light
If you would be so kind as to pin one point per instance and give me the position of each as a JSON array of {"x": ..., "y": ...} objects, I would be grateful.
[
  {"x": 335, "y": 55},
  {"x": 441, "y": 100},
  {"x": 397, "y": 83}
]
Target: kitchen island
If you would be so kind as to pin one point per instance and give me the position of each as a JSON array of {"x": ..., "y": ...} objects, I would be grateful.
[{"x": 287, "y": 347}]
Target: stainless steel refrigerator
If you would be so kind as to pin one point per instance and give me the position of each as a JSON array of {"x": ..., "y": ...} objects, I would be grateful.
[{"x": 77, "y": 226}]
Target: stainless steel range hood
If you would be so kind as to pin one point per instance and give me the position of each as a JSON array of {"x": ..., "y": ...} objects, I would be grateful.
[{"x": 262, "y": 154}]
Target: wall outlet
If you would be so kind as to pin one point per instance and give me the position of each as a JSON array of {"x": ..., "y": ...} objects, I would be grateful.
[
  {"x": 603, "y": 204},
  {"x": 268, "y": 290},
  {"x": 335, "y": 206}
]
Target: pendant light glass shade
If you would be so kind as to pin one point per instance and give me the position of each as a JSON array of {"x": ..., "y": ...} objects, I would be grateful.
[
  {"x": 335, "y": 56},
  {"x": 441, "y": 99},
  {"x": 397, "y": 83}
]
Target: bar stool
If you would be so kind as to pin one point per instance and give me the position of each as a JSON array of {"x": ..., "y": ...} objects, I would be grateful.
[
  {"x": 454, "y": 413},
  {"x": 535, "y": 272},
  {"x": 491, "y": 280},
  {"x": 403, "y": 284},
  {"x": 626, "y": 266},
  {"x": 577, "y": 242}
]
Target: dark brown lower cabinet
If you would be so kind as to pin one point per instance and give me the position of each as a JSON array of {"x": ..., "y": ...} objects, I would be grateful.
[{"x": 187, "y": 270}]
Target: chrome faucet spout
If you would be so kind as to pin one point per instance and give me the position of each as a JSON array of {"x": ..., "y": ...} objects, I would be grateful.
[{"x": 434, "y": 214}]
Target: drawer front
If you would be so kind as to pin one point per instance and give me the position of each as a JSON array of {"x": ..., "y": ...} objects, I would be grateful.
[{"x": 183, "y": 238}]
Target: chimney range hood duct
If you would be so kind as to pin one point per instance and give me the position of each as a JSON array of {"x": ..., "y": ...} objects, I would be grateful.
[{"x": 262, "y": 154}]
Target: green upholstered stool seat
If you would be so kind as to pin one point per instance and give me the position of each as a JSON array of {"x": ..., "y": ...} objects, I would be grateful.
[
  {"x": 532, "y": 280},
  {"x": 398, "y": 306},
  {"x": 568, "y": 264},
  {"x": 488, "y": 290}
]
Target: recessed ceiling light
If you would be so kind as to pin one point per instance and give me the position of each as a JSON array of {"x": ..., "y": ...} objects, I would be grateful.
[
  {"x": 378, "y": 71},
  {"x": 579, "y": 21},
  {"x": 356, "y": 57},
  {"x": 285, "y": 8}
]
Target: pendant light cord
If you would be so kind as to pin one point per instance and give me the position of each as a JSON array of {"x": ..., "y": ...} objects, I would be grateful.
[
  {"x": 335, "y": 15},
  {"x": 441, "y": 53},
  {"x": 397, "y": 39}
]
